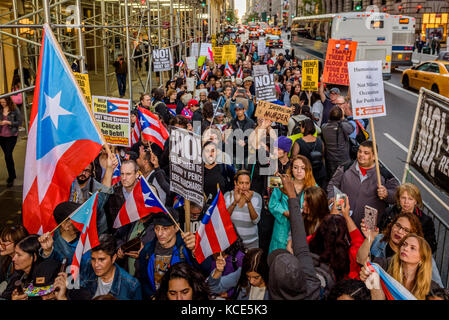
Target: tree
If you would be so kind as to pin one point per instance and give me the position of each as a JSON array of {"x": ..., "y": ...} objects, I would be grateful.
[
  {"x": 253, "y": 17},
  {"x": 231, "y": 18}
]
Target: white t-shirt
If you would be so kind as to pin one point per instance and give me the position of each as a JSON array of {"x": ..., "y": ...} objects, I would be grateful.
[{"x": 103, "y": 288}]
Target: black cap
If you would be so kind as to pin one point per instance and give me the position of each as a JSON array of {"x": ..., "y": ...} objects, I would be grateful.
[
  {"x": 43, "y": 277},
  {"x": 64, "y": 209},
  {"x": 163, "y": 219}
]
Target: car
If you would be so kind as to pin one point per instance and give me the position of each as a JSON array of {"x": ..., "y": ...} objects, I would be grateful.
[
  {"x": 268, "y": 30},
  {"x": 443, "y": 55},
  {"x": 276, "y": 32},
  {"x": 274, "y": 42},
  {"x": 432, "y": 75},
  {"x": 254, "y": 35}
]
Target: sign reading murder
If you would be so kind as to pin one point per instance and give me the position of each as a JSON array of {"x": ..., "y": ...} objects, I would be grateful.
[
  {"x": 339, "y": 53},
  {"x": 265, "y": 89},
  {"x": 162, "y": 60},
  {"x": 186, "y": 169},
  {"x": 367, "y": 89},
  {"x": 113, "y": 118},
  {"x": 83, "y": 81},
  {"x": 273, "y": 112},
  {"x": 309, "y": 81},
  {"x": 430, "y": 149}
]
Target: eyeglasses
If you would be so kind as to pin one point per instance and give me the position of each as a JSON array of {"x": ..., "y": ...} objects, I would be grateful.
[
  {"x": 400, "y": 227},
  {"x": 339, "y": 104}
]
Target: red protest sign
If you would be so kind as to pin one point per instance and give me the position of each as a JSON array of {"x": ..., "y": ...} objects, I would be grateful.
[{"x": 339, "y": 53}]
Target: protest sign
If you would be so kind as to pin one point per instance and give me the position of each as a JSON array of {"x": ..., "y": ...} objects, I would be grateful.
[
  {"x": 201, "y": 61},
  {"x": 261, "y": 47},
  {"x": 309, "y": 80},
  {"x": 195, "y": 50},
  {"x": 273, "y": 112},
  {"x": 204, "y": 50},
  {"x": 83, "y": 81},
  {"x": 230, "y": 53},
  {"x": 113, "y": 118},
  {"x": 191, "y": 63},
  {"x": 186, "y": 169},
  {"x": 218, "y": 55},
  {"x": 190, "y": 84},
  {"x": 339, "y": 53},
  {"x": 260, "y": 69},
  {"x": 265, "y": 89},
  {"x": 429, "y": 145},
  {"x": 162, "y": 59},
  {"x": 367, "y": 89}
]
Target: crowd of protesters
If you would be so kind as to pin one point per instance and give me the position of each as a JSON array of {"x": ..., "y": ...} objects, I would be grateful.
[{"x": 295, "y": 240}]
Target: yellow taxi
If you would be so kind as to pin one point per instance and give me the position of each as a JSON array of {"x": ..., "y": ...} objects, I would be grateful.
[
  {"x": 268, "y": 30},
  {"x": 432, "y": 75},
  {"x": 276, "y": 32}
]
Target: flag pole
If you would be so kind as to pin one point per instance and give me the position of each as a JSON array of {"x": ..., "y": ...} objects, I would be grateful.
[{"x": 187, "y": 214}]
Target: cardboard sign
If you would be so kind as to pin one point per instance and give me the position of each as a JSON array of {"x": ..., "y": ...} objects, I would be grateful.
[
  {"x": 162, "y": 59},
  {"x": 113, "y": 118},
  {"x": 191, "y": 63},
  {"x": 367, "y": 89},
  {"x": 229, "y": 54},
  {"x": 265, "y": 89},
  {"x": 273, "y": 112},
  {"x": 83, "y": 81},
  {"x": 339, "y": 53},
  {"x": 309, "y": 79},
  {"x": 194, "y": 51},
  {"x": 186, "y": 169},
  {"x": 260, "y": 69},
  {"x": 218, "y": 55}
]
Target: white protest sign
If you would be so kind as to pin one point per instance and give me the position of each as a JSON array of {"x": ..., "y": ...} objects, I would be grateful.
[
  {"x": 190, "y": 84},
  {"x": 162, "y": 59},
  {"x": 191, "y": 63},
  {"x": 261, "y": 47},
  {"x": 367, "y": 89},
  {"x": 194, "y": 50},
  {"x": 204, "y": 52},
  {"x": 260, "y": 69}
]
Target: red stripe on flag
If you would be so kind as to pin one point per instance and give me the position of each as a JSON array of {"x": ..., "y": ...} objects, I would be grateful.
[
  {"x": 226, "y": 219},
  {"x": 119, "y": 102},
  {"x": 199, "y": 255},
  {"x": 212, "y": 237},
  {"x": 117, "y": 113}
]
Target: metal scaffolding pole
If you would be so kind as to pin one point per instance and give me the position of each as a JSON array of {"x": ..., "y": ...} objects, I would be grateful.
[
  {"x": 80, "y": 38},
  {"x": 22, "y": 79},
  {"x": 159, "y": 34},
  {"x": 149, "y": 75},
  {"x": 128, "y": 53},
  {"x": 95, "y": 39},
  {"x": 105, "y": 49},
  {"x": 172, "y": 30}
]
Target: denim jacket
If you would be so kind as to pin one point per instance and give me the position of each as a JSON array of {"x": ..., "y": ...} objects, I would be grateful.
[
  {"x": 124, "y": 286},
  {"x": 379, "y": 249}
]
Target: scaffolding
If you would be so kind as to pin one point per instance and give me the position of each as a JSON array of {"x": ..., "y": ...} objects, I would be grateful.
[{"x": 92, "y": 34}]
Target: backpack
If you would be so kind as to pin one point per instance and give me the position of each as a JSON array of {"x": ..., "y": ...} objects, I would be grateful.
[{"x": 325, "y": 274}]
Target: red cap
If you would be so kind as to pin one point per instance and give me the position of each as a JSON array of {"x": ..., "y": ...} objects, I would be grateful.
[
  {"x": 270, "y": 61},
  {"x": 192, "y": 102}
]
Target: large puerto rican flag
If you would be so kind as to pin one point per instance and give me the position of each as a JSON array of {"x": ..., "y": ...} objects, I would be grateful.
[
  {"x": 151, "y": 127},
  {"x": 142, "y": 202},
  {"x": 63, "y": 138},
  {"x": 85, "y": 220},
  {"x": 216, "y": 232}
]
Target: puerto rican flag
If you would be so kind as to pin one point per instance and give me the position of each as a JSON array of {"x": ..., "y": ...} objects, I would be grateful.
[
  {"x": 240, "y": 73},
  {"x": 63, "y": 138},
  {"x": 151, "y": 127},
  {"x": 392, "y": 289},
  {"x": 204, "y": 73},
  {"x": 180, "y": 64},
  {"x": 85, "y": 220},
  {"x": 116, "y": 174},
  {"x": 216, "y": 232},
  {"x": 179, "y": 201},
  {"x": 135, "y": 133},
  {"x": 211, "y": 54},
  {"x": 142, "y": 202},
  {"x": 118, "y": 107},
  {"x": 228, "y": 70}
]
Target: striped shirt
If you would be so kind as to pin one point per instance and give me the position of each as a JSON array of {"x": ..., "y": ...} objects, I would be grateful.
[{"x": 245, "y": 227}]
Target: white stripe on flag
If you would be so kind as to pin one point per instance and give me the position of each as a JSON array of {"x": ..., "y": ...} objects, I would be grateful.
[
  {"x": 131, "y": 208},
  {"x": 154, "y": 133},
  {"x": 220, "y": 230},
  {"x": 205, "y": 245}
]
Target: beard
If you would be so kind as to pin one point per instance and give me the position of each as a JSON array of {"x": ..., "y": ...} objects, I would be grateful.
[{"x": 81, "y": 179}]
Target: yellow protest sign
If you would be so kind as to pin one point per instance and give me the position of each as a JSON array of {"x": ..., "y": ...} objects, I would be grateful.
[
  {"x": 201, "y": 61},
  {"x": 83, "y": 81},
  {"x": 309, "y": 80},
  {"x": 273, "y": 112},
  {"x": 218, "y": 55},
  {"x": 229, "y": 53}
]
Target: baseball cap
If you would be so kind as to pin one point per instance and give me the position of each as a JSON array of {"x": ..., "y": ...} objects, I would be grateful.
[
  {"x": 239, "y": 106},
  {"x": 219, "y": 112},
  {"x": 335, "y": 90},
  {"x": 192, "y": 102},
  {"x": 248, "y": 79},
  {"x": 44, "y": 275}
]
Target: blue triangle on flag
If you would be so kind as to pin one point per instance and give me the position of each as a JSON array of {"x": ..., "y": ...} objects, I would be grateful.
[{"x": 111, "y": 107}]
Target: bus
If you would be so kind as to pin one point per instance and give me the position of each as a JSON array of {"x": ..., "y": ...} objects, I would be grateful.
[
  {"x": 403, "y": 41},
  {"x": 372, "y": 31}
]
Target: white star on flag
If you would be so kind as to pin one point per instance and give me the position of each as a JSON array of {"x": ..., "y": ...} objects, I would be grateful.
[{"x": 54, "y": 109}]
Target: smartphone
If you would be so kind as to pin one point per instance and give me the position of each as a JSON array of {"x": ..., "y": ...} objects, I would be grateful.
[
  {"x": 274, "y": 182},
  {"x": 370, "y": 218},
  {"x": 340, "y": 199}
]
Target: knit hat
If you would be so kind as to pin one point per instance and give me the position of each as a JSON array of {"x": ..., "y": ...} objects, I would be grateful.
[
  {"x": 284, "y": 143},
  {"x": 64, "y": 209}
]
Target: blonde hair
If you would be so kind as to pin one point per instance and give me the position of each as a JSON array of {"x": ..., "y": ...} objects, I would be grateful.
[
  {"x": 423, "y": 276},
  {"x": 412, "y": 190},
  {"x": 294, "y": 99}
]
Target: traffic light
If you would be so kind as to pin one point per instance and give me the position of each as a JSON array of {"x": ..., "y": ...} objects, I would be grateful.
[
  {"x": 358, "y": 7},
  {"x": 203, "y": 3},
  {"x": 418, "y": 7}
]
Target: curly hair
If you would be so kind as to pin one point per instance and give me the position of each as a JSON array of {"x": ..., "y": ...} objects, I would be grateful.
[
  {"x": 415, "y": 224},
  {"x": 331, "y": 243},
  {"x": 183, "y": 270}
]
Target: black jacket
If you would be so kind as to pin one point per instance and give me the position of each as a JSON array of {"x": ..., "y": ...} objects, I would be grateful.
[
  {"x": 113, "y": 205},
  {"x": 16, "y": 119},
  {"x": 428, "y": 227}
]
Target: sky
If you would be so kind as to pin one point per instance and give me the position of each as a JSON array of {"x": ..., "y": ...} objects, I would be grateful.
[{"x": 241, "y": 6}]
